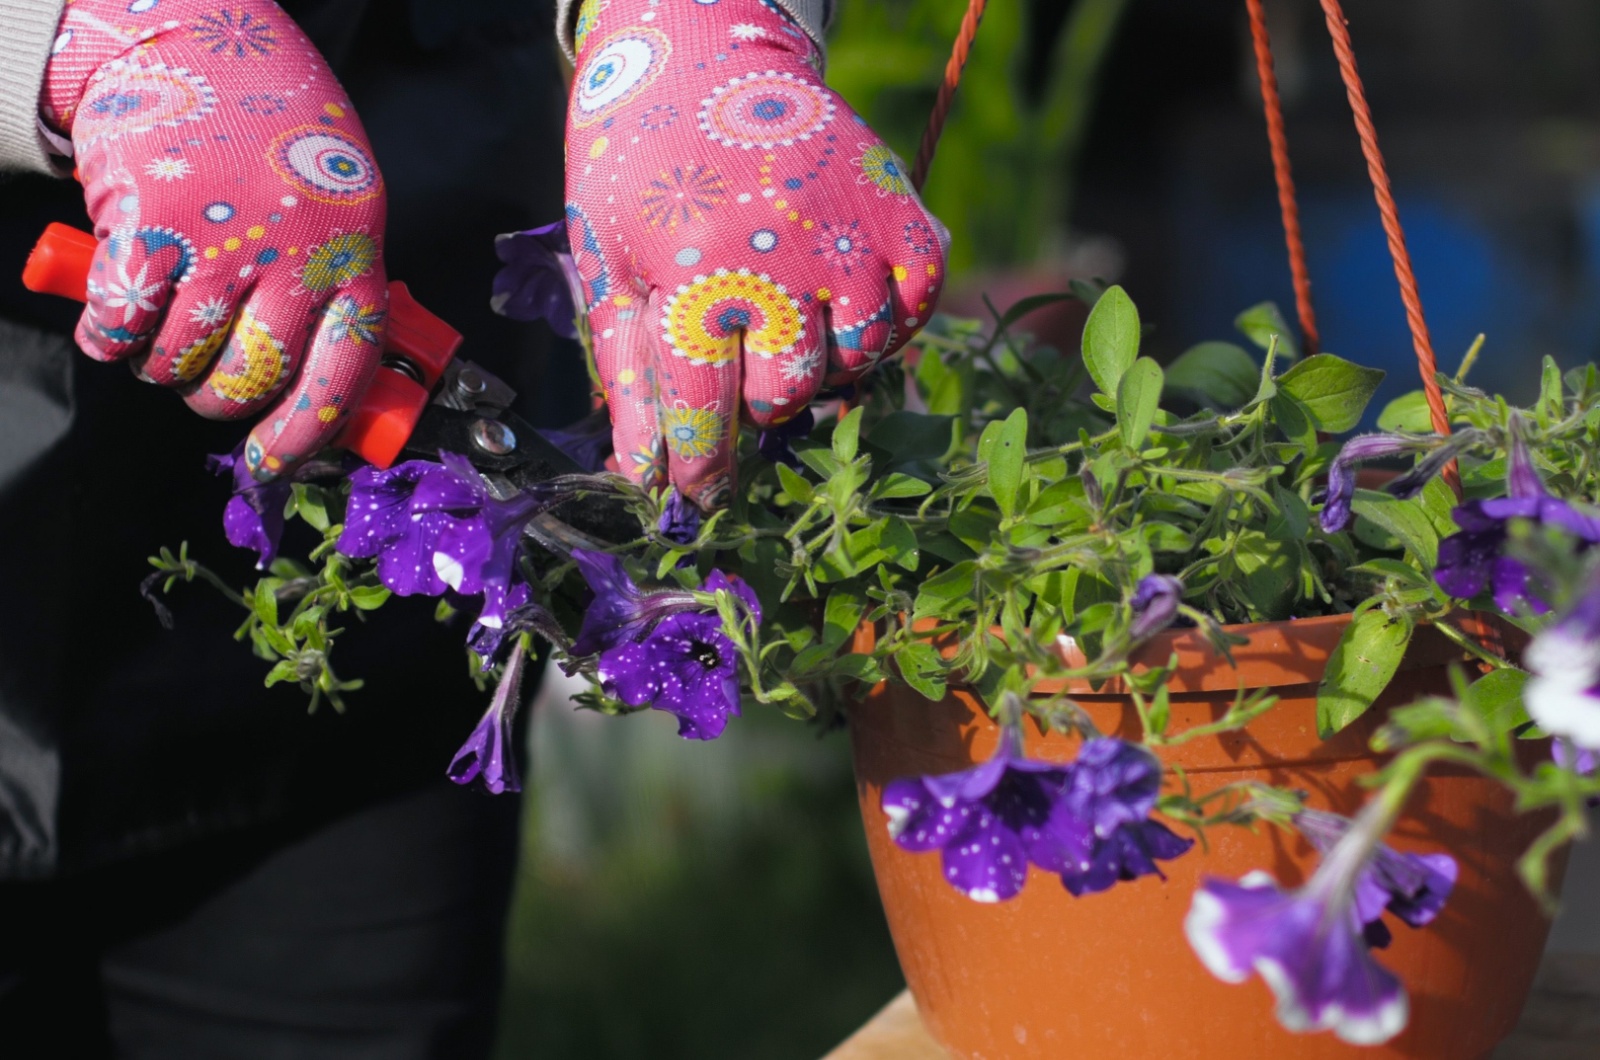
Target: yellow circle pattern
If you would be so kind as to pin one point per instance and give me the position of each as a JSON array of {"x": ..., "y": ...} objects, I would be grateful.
[{"x": 705, "y": 318}]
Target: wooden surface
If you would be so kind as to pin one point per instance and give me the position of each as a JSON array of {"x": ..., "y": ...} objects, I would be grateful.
[
  {"x": 1560, "y": 1022},
  {"x": 893, "y": 1034}
]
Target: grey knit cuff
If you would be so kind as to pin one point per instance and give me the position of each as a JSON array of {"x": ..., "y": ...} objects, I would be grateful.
[
  {"x": 812, "y": 15},
  {"x": 27, "y": 31}
]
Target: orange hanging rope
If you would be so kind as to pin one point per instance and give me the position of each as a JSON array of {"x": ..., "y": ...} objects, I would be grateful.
[
  {"x": 1421, "y": 341},
  {"x": 947, "y": 90},
  {"x": 1272, "y": 104}
]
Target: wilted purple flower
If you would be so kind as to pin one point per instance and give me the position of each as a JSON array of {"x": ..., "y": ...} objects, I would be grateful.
[
  {"x": 623, "y": 612},
  {"x": 253, "y": 517},
  {"x": 587, "y": 442},
  {"x": 1342, "y": 474},
  {"x": 1563, "y": 695},
  {"x": 490, "y": 755},
  {"x": 1414, "y": 887},
  {"x": 1155, "y": 604},
  {"x": 680, "y": 520},
  {"x": 989, "y": 822},
  {"x": 1474, "y": 557},
  {"x": 539, "y": 280},
  {"x": 773, "y": 443},
  {"x": 1112, "y": 790},
  {"x": 686, "y": 666},
  {"x": 1312, "y": 945}
]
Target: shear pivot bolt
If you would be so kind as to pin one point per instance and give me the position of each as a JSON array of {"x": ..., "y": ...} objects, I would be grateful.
[
  {"x": 493, "y": 437},
  {"x": 470, "y": 383}
]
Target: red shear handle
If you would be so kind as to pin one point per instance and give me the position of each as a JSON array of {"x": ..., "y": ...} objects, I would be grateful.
[{"x": 417, "y": 344}]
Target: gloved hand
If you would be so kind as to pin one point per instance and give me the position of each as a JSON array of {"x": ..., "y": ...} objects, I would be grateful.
[
  {"x": 741, "y": 233},
  {"x": 239, "y": 212}
]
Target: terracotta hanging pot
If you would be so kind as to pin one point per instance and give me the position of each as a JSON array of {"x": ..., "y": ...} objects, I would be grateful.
[{"x": 1049, "y": 976}]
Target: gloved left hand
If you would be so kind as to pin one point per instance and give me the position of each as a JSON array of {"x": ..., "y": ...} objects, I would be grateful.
[{"x": 239, "y": 212}]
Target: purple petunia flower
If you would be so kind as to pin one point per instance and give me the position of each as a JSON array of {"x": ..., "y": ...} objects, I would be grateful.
[
  {"x": 1563, "y": 693},
  {"x": 1308, "y": 945},
  {"x": 1155, "y": 604},
  {"x": 1087, "y": 821},
  {"x": 1342, "y": 474},
  {"x": 773, "y": 443},
  {"x": 489, "y": 756},
  {"x": 436, "y": 526},
  {"x": 1312, "y": 945},
  {"x": 253, "y": 517},
  {"x": 989, "y": 822},
  {"x": 686, "y": 666},
  {"x": 680, "y": 520},
  {"x": 1113, "y": 789},
  {"x": 623, "y": 612},
  {"x": 587, "y": 442},
  {"x": 1474, "y": 558},
  {"x": 539, "y": 280}
]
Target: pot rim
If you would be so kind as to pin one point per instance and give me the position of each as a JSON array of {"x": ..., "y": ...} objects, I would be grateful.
[{"x": 1279, "y": 654}]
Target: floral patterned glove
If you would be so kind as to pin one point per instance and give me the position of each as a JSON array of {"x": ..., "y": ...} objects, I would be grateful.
[
  {"x": 239, "y": 212},
  {"x": 742, "y": 234}
]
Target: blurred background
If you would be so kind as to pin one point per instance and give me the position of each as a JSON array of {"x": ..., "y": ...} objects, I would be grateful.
[{"x": 714, "y": 901}]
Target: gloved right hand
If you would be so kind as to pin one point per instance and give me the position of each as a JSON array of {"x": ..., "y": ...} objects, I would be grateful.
[{"x": 239, "y": 211}]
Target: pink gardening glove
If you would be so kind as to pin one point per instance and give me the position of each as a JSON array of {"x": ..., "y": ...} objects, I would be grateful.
[
  {"x": 239, "y": 212},
  {"x": 741, "y": 233}
]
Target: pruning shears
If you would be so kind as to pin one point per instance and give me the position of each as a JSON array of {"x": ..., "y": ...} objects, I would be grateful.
[{"x": 422, "y": 400}]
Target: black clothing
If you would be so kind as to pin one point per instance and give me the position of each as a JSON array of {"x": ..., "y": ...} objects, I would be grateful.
[
  {"x": 374, "y": 937},
  {"x": 118, "y": 738}
]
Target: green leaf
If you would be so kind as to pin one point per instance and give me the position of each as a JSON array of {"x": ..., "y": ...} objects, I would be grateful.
[
  {"x": 1111, "y": 339},
  {"x": 1263, "y": 323},
  {"x": 898, "y": 485},
  {"x": 1005, "y": 459},
  {"x": 1497, "y": 698},
  {"x": 1332, "y": 389},
  {"x": 1164, "y": 537},
  {"x": 947, "y": 593},
  {"x": 794, "y": 484},
  {"x": 1360, "y": 668},
  {"x": 841, "y": 615},
  {"x": 1030, "y": 304},
  {"x": 913, "y": 436},
  {"x": 922, "y": 669},
  {"x": 312, "y": 504},
  {"x": 1384, "y": 567},
  {"x": 1408, "y": 412},
  {"x": 975, "y": 527},
  {"x": 283, "y": 671},
  {"x": 369, "y": 597},
  {"x": 1061, "y": 503},
  {"x": 846, "y": 436},
  {"x": 1550, "y": 394},
  {"x": 1271, "y": 572},
  {"x": 1406, "y": 520},
  {"x": 899, "y": 544},
  {"x": 824, "y": 463},
  {"x": 1138, "y": 397},
  {"x": 264, "y": 601},
  {"x": 1294, "y": 420},
  {"x": 1218, "y": 373}
]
